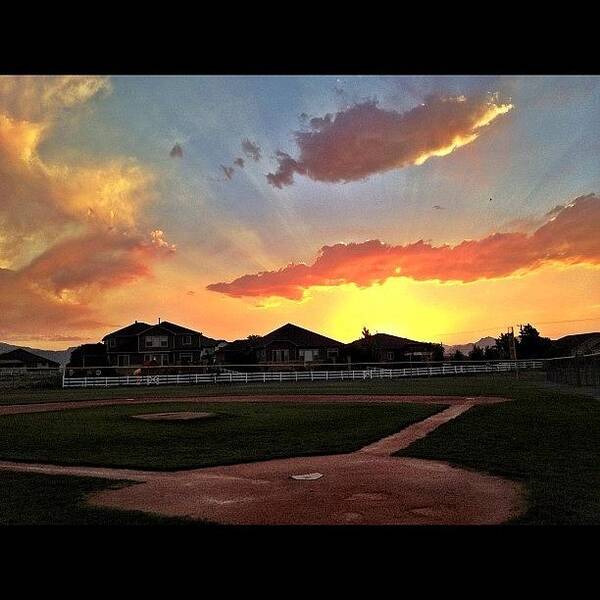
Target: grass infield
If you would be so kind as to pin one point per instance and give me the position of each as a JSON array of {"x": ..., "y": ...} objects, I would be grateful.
[
  {"x": 32, "y": 499},
  {"x": 109, "y": 437}
]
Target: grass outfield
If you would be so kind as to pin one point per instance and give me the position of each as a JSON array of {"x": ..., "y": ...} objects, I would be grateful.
[
  {"x": 490, "y": 385},
  {"x": 31, "y": 499},
  {"x": 109, "y": 437},
  {"x": 548, "y": 438}
]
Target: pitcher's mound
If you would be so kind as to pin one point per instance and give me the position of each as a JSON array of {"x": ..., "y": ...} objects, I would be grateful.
[{"x": 174, "y": 416}]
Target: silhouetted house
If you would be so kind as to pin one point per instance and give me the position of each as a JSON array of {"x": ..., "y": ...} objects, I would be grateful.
[
  {"x": 11, "y": 366},
  {"x": 210, "y": 348},
  {"x": 238, "y": 352},
  {"x": 288, "y": 344},
  {"x": 26, "y": 360},
  {"x": 383, "y": 347},
  {"x": 579, "y": 343},
  {"x": 165, "y": 343}
]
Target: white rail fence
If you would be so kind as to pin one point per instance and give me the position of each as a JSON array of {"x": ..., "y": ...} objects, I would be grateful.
[{"x": 341, "y": 375}]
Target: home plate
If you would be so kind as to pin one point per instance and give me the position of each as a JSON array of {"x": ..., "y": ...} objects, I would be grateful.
[{"x": 307, "y": 476}]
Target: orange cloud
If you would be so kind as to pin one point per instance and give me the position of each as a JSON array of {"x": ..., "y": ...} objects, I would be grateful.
[
  {"x": 67, "y": 232},
  {"x": 95, "y": 260},
  {"x": 25, "y": 313},
  {"x": 365, "y": 139},
  {"x": 570, "y": 236}
]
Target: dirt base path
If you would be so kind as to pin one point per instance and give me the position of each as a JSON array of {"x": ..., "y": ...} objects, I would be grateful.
[
  {"x": 398, "y": 441},
  {"x": 13, "y": 409},
  {"x": 367, "y": 487}
]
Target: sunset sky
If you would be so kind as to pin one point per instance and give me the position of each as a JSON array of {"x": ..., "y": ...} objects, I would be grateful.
[{"x": 436, "y": 208}]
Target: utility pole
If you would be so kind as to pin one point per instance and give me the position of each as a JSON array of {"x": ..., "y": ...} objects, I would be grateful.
[{"x": 512, "y": 348}]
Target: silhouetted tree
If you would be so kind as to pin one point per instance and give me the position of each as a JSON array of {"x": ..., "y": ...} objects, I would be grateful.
[
  {"x": 477, "y": 353},
  {"x": 458, "y": 356},
  {"x": 491, "y": 353},
  {"x": 503, "y": 346},
  {"x": 368, "y": 345},
  {"x": 437, "y": 353},
  {"x": 531, "y": 344}
]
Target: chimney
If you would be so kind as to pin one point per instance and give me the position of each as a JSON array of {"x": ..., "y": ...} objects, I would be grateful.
[{"x": 159, "y": 320}]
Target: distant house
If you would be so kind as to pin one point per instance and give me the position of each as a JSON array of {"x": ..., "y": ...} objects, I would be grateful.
[
  {"x": 210, "y": 348},
  {"x": 89, "y": 355},
  {"x": 25, "y": 360},
  {"x": 383, "y": 347},
  {"x": 579, "y": 343},
  {"x": 287, "y": 344},
  {"x": 238, "y": 352},
  {"x": 11, "y": 367},
  {"x": 162, "y": 344}
]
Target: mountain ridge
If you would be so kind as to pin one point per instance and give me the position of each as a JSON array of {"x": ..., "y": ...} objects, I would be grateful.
[
  {"x": 484, "y": 342},
  {"x": 60, "y": 356}
]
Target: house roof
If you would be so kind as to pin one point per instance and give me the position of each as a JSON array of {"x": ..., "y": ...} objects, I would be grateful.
[
  {"x": 298, "y": 336},
  {"x": 579, "y": 342},
  {"x": 241, "y": 345},
  {"x": 140, "y": 327},
  {"x": 23, "y": 355},
  {"x": 174, "y": 328},
  {"x": 90, "y": 348},
  {"x": 386, "y": 341},
  {"x": 133, "y": 329},
  {"x": 210, "y": 342}
]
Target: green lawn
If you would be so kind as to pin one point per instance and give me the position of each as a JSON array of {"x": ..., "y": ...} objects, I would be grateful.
[
  {"x": 31, "y": 499},
  {"x": 493, "y": 384},
  {"x": 108, "y": 436},
  {"x": 547, "y": 438}
]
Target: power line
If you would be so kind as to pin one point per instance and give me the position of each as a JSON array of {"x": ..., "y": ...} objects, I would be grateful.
[{"x": 501, "y": 327}]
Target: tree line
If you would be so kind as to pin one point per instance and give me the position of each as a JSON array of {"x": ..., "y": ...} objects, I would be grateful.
[{"x": 529, "y": 344}]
